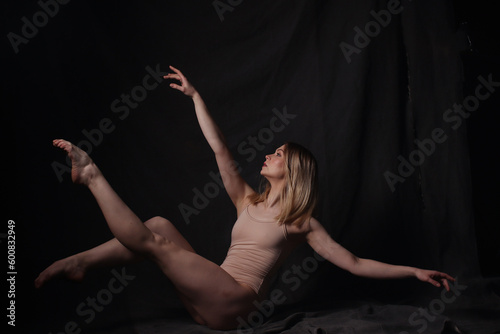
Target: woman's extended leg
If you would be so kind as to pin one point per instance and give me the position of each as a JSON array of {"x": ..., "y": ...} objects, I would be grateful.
[{"x": 213, "y": 297}]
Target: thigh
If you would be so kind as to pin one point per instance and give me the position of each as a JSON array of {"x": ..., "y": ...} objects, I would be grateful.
[{"x": 208, "y": 291}]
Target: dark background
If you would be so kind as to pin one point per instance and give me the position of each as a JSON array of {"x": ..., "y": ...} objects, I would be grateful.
[{"x": 263, "y": 57}]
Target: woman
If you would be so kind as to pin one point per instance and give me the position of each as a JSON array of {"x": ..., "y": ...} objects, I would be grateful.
[{"x": 268, "y": 227}]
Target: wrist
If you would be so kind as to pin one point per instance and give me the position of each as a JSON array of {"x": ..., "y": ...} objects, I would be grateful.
[{"x": 195, "y": 95}]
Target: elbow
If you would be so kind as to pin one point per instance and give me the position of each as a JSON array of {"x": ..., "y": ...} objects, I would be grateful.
[
  {"x": 220, "y": 148},
  {"x": 355, "y": 265}
]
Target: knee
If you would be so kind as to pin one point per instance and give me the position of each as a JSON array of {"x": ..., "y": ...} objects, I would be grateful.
[{"x": 158, "y": 224}]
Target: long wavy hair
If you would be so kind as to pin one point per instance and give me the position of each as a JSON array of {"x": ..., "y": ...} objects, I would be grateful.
[{"x": 300, "y": 194}]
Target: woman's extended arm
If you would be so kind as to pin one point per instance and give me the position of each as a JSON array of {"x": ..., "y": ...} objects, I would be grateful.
[
  {"x": 325, "y": 246},
  {"x": 208, "y": 126},
  {"x": 235, "y": 185}
]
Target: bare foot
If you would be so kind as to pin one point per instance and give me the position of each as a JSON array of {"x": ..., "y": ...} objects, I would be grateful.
[
  {"x": 83, "y": 169},
  {"x": 70, "y": 268}
]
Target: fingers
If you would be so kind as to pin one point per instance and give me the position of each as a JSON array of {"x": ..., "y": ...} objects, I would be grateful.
[
  {"x": 446, "y": 285},
  {"x": 433, "y": 282},
  {"x": 184, "y": 86},
  {"x": 448, "y": 277},
  {"x": 443, "y": 277},
  {"x": 177, "y": 76},
  {"x": 172, "y": 76},
  {"x": 175, "y": 86},
  {"x": 175, "y": 70}
]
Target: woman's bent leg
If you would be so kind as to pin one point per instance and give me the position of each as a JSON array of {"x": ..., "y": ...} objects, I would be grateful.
[
  {"x": 113, "y": 253},
  {"x": 110, "y": 253},
  {"x": 211, "y": 295}
]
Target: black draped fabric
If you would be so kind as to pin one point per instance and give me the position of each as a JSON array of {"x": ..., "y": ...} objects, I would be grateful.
[{"x": 370, "y": 87}]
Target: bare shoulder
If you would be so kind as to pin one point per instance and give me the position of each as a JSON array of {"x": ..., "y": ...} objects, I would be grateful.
[
  {"x": 314, "y": 224},
  {"x": 244, "y": 202},
  {"x": 316, "y": 231}
]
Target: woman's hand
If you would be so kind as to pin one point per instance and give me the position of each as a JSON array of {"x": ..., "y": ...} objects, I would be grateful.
[
  {"x": 432, "y": 277},
  {"x": 185, "y": 86}
]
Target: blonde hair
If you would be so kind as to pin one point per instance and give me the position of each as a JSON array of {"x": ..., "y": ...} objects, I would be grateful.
[{"x": 300, "y": 194}]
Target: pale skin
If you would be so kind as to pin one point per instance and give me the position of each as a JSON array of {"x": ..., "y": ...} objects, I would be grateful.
[{"x": 210, "y": 294}]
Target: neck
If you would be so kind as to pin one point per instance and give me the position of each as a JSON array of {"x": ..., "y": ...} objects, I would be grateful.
[{"x": 273, "y": 199}]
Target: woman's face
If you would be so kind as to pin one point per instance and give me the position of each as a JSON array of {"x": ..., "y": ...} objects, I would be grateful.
[{"x": 274, "y": 166}]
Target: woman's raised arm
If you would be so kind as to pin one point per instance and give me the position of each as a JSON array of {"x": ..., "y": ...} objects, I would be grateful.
[
  {"x": 325, "y": 246},
  {"x": 236, "y": 187}
]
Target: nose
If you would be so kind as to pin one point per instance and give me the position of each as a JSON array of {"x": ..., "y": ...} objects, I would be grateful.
[{"x": 268, "y": 157}]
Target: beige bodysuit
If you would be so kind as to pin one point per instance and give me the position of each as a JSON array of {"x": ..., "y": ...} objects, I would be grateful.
[{"x": 258, "y": 246}]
